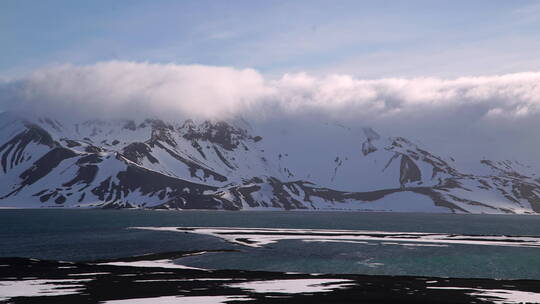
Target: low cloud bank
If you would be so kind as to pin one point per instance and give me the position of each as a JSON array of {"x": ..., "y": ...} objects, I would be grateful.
[
  {"x": 123, "y": 89},
  {"x": 117, "y": 88},
  {"x": 495, "y": 112}
]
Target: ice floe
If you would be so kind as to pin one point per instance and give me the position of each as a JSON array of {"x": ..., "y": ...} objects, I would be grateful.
[
  {"x": 151, "y": 263},
  {"x": 293, "y": 286},
  {"x": 259, "y": 237}
]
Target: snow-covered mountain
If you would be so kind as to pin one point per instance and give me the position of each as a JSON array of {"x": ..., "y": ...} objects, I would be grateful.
[{"x": 152, "y": 163}]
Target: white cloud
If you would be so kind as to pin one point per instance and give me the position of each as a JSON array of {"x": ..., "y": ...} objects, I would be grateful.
[
  {"x": 484, "y": 112},
  {"x": 127, "y": 88},
  {"x": 513, "y": 95}
]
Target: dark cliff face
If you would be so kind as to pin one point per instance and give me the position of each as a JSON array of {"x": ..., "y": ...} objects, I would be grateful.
[
  {"x": 368, "y": 146},
  {"x": 42, "y": 167},
  {"x": 408, "y": 171},
  {"x": 163, "y": 132},
  {"x": 12, "y": 152},
  {"x": 137, "y": 151},
  {"x": 220, "y": 133},
  {"x": 156, "y": 186}
]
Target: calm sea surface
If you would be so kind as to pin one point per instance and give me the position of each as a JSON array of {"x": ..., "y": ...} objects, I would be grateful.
[{"x": 77, "y": 235}]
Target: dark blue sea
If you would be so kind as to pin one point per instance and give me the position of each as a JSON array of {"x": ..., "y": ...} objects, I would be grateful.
[{"x": 83, "y": 235}]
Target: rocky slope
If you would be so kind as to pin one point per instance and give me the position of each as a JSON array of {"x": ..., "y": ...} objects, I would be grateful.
[{"x": 152, "y": 163}]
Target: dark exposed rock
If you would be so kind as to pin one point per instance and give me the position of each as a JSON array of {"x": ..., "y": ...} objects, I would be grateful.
[
  {"x": 162, "y": 132},
  {"x": 527, "y": 192},
  {"x": 188, "y": 201},
  {"x": 45, "y": 165},
  {"x": 223, "y": 159},
  {"x": 408, "y": 171},
  {"x": 193, "y": 166},
  {"x": 89, "y": 159},
  {"x": 93, "y": 149},
  {"x": 281, "y": 197},
  {"x": 60, "y": 200},
  {"x": 71, "y": 143},
  {"x": 85, "y": 175},
  {"x": 42, "y": 167},
  {"x": 220, "y": 133},
  {"x": 16, "y": 146},
  {"x": 438, "y": 199},
  {"x": 198, "y": 147},
  {"x": 368, "y": 145},
  {"x": 148, "y": 183},
  {"x": 137, "y": 151}
]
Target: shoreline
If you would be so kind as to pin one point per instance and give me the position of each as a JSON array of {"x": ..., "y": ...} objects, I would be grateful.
[{"x": 265, "y": 210}]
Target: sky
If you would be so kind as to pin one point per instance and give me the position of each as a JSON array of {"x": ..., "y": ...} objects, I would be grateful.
[
  {"x": 366, "y": 39},
  {"x": 462, "y": 76}
]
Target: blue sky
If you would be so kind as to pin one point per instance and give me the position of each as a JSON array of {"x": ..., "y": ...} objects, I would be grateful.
[{"x": 367, "y": 39}]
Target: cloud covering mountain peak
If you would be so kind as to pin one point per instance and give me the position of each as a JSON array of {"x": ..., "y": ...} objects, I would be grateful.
[{"x": 496, "y": 109}]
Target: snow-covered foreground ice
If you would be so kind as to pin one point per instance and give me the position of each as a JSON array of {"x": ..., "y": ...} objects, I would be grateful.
[
  {"x": 293, "y": 286},
  {"x": 258, "y": 237},
  {"x": 269, "y": 286},
  {"x": 183, "y": 300},
  {"x": 31, "y": 281},
  {"x": 34, "y": 288},
  {"x": 500, "y": 296}
]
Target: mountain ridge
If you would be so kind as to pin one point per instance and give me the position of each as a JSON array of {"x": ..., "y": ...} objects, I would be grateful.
[{"x": 158, "y": 164}]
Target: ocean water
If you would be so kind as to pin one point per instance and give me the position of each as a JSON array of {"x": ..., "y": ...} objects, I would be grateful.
[{"x": 82, "y": 235}]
